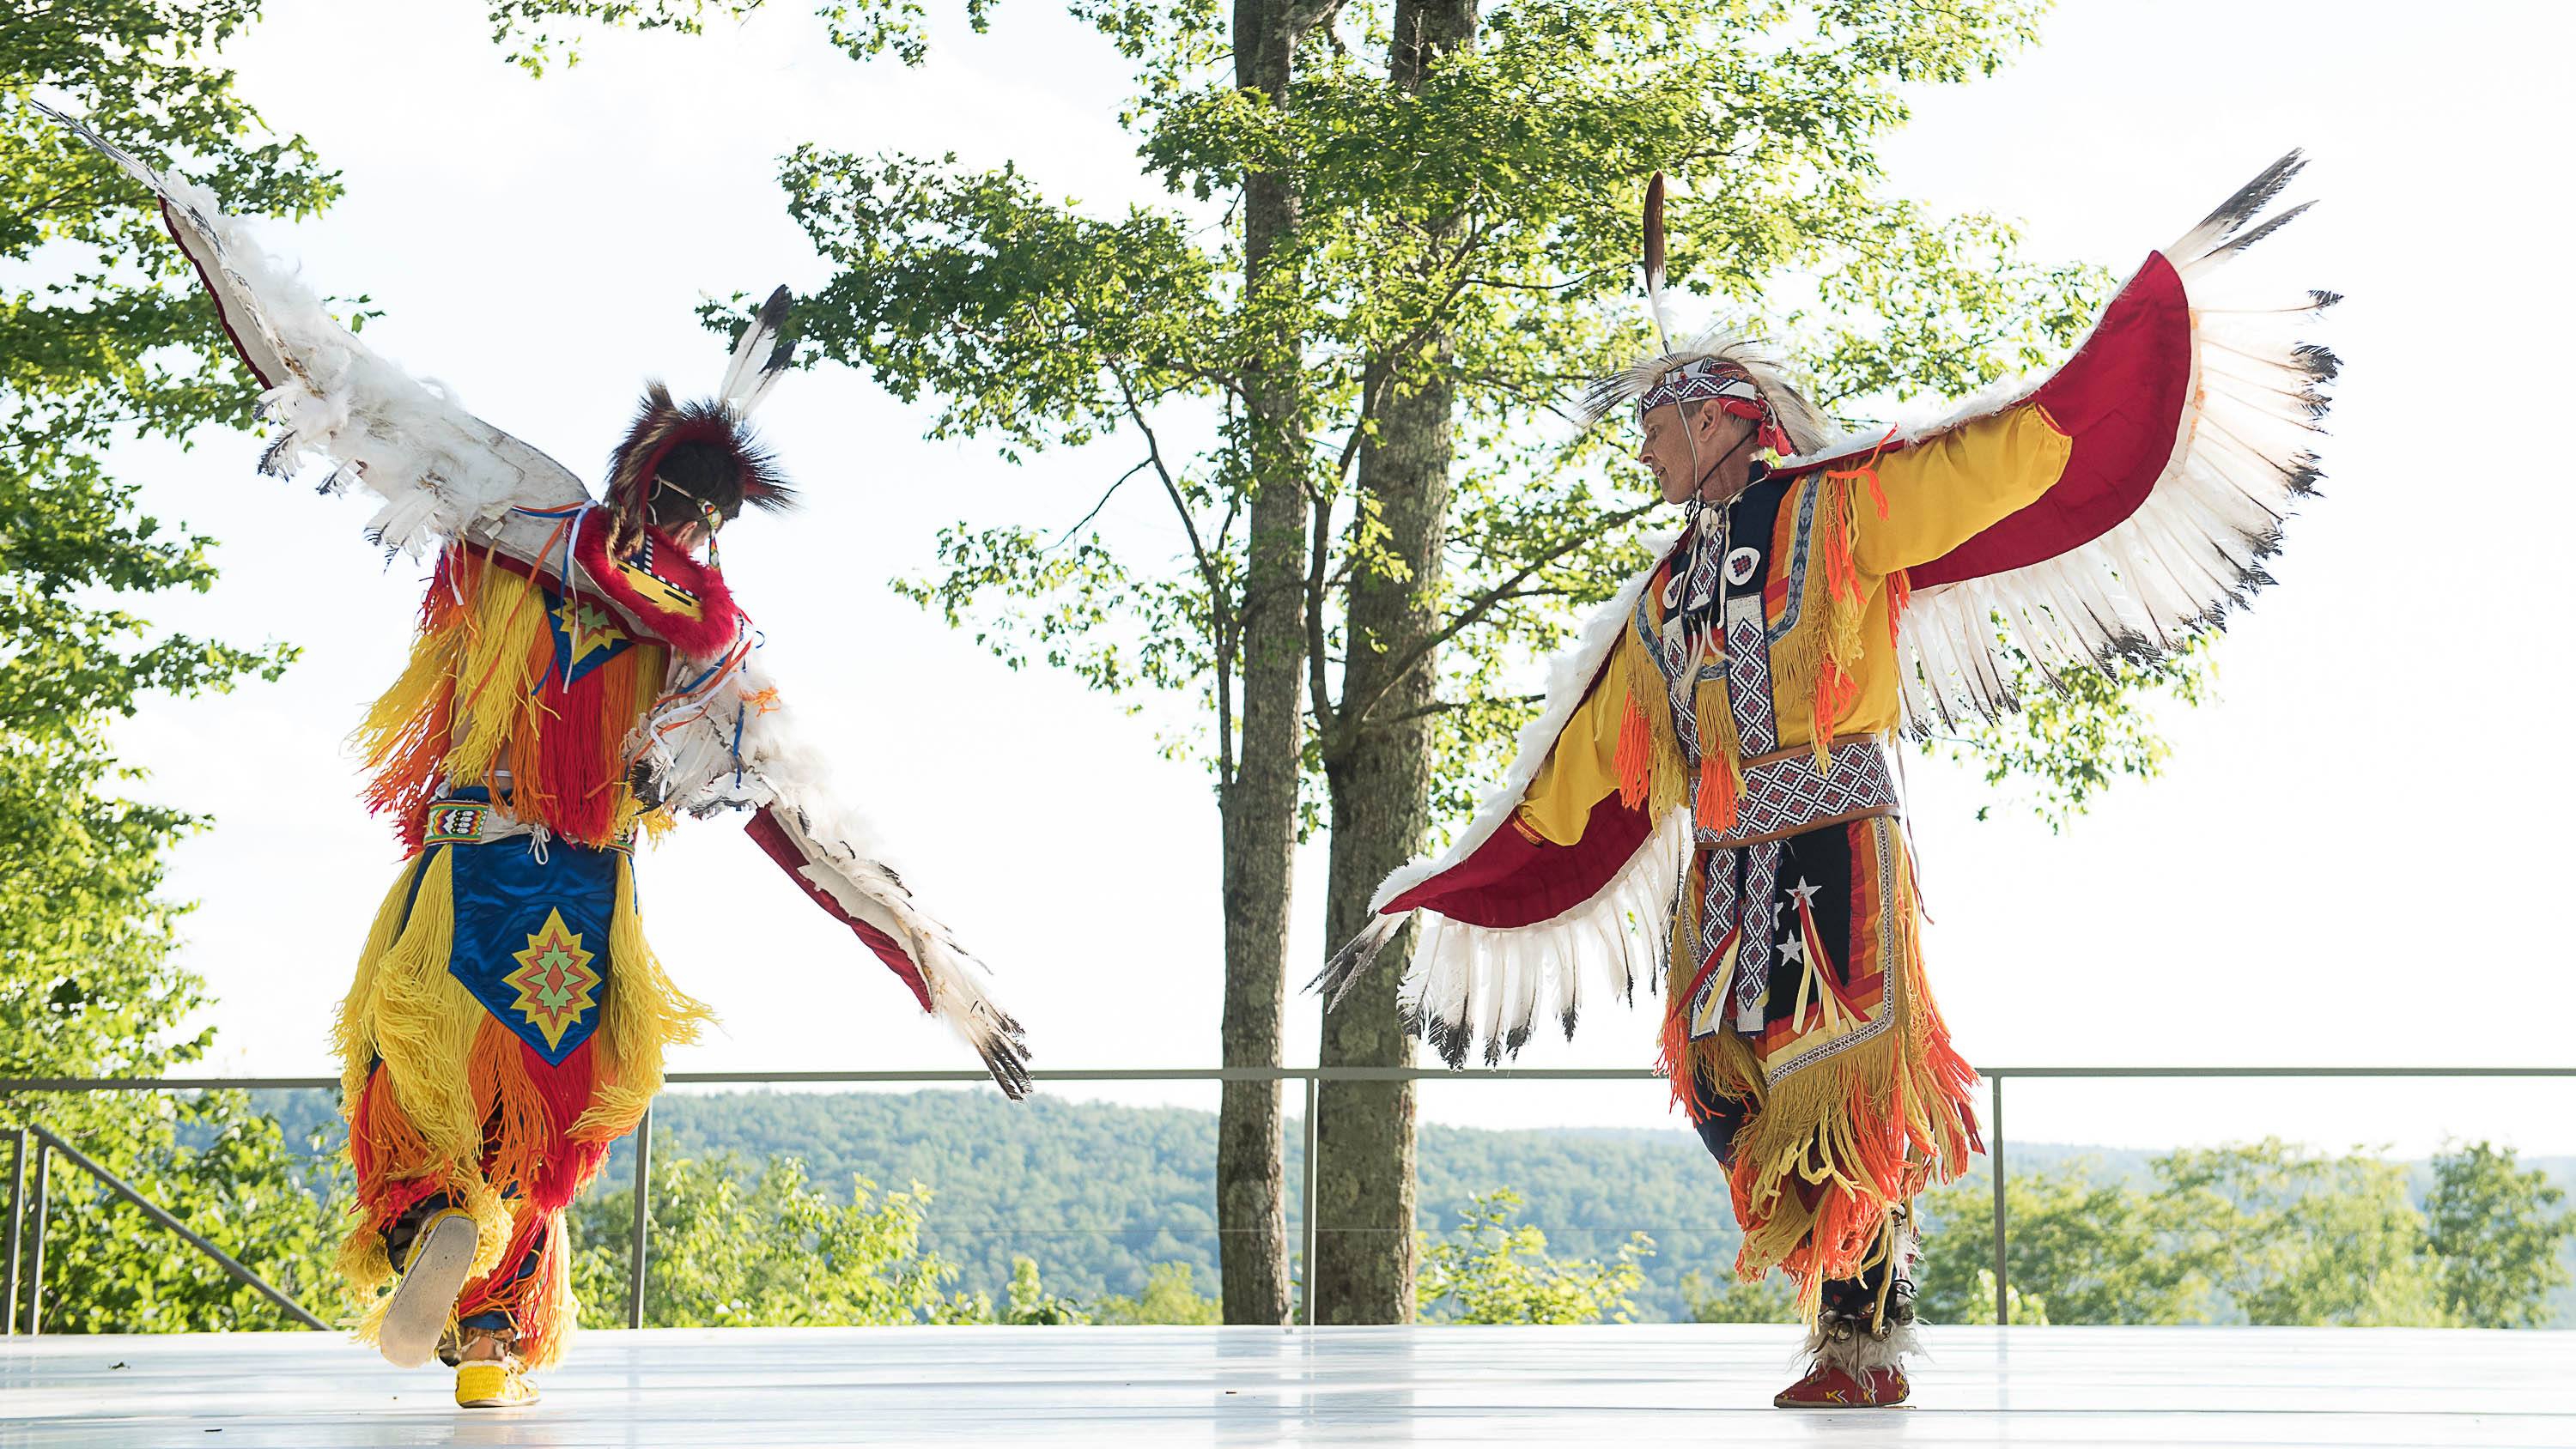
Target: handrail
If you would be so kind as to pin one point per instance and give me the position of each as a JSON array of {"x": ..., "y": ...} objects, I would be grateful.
[
  {"x": 1311, "y": 1078},
  {"x": 1265, "y": 1074},
  {"x": 47, "y": 1144}
]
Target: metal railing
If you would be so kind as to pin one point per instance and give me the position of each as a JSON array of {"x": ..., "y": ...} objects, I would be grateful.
[
  {"x": 46, "y": 1146},
  {"x": 1311, "y": 1078}
]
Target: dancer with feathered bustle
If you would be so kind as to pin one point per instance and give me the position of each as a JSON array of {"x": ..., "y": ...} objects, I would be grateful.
[
  {"x": 1707, "y": 796},
  {"x": 582, "y": 675}
]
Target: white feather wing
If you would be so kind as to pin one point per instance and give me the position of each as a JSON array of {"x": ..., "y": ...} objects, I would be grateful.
[
  {"x": 2194, "y": 550},
  {"x": 439, "y": 470}
]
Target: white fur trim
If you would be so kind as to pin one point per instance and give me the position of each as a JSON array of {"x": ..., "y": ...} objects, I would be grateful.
[{"x": 1862, "y": 1353}]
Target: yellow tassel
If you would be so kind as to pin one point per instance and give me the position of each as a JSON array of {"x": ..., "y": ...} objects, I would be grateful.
[
  {"x": 497, "y": 674},
  {"x": 1721, "y": 766},
  {"x": 1667, "y": 774},
  {"x": 420, "y": 1022},
  {"x": 1815, "y": 671},
  {"x": 348, "y": 1024},
  {"x": 645, "y": 1014},
  {"x": 559, "y": 1313}
]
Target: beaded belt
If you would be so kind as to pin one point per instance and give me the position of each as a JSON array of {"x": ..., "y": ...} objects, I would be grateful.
[
  {"x": 477, "y": 822},
  {"x": 1785, "y": 794}
]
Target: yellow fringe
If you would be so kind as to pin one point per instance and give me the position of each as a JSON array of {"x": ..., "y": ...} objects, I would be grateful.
[
  {"x": 418, "y": 1021},
  {"x": 348, "y": 1024},
  {"x": 1718, "y": 794},
  {"x": 496, "y": 674},
  {"x": 407, "y": 709},
  {"x": 1824, "y": 651},
  {"x": 646, "y": 1013},
  {"x": 561, "y": 1316},
  {"x": 1807, "y": 1129}
]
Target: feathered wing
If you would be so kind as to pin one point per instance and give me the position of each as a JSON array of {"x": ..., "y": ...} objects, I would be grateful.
[
  {"x": 729, "y": 744},
  {"x": 1509, "y": 921},
  {"x": 2191, "y": 423},
  {"x": 440, "y": 471}
]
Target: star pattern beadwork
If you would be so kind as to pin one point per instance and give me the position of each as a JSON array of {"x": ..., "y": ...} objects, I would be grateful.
[
  {"x": 555, "y": 980},
  {"x": 586, "y": 629}
]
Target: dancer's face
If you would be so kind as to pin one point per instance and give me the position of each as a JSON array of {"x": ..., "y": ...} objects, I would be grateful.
[{"x": 1683, "y": 449}]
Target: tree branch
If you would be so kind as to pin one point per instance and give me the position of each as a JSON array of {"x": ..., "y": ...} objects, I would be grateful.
[
  {"x": 1220, "y": 623},
  {"x": 1095, "y": 508},
  {"x": 1453, "y": 706},
  {"x": 1475, "y": 610}
]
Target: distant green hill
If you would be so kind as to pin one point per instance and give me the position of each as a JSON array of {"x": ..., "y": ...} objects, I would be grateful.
[{"x": 1098, "y": 1193}]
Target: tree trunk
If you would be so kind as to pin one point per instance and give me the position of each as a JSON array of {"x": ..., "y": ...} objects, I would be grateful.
[
  {"x": 1260, "y": 802},
  {"x": 1378, "y": 770}
]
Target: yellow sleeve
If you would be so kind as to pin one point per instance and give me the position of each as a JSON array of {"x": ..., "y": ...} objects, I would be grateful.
[
  {"x": 1945, "y": 492},
  {"x": 1582, "y": 767}
]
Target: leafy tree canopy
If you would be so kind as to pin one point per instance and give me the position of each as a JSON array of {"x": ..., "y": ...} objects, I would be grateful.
[
  {"x": 103, "y": 337},
  {"x": 1480, "y": 226}
]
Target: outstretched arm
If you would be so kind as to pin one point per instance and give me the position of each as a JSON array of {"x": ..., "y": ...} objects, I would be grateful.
[
  {"x": 729, "y": 744},
  {"x": 440, "y": 470},
  {"x": 2116, "y": 508}
]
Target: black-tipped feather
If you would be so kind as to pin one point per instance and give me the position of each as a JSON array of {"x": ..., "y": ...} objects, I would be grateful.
[
  {"x": 1353, "y": 960},
  {"x": 2253, "y": 196},
  {"x": 2266, "y": 229}
]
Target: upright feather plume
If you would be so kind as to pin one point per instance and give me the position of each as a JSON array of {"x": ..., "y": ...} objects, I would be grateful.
[
  {"x": 759, "y": 357},
  {"x": 1654, "y": 233}
]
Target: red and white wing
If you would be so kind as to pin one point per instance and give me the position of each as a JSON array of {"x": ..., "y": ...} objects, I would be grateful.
[
  {"x": 440, "y": 470},
  {"x": 2191, "y": 422},
  {"x": 1509, "y": 923},
  {"x": 730, "y": 744}
]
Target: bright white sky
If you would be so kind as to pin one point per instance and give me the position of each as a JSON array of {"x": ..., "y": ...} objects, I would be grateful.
[{"x": 2354, "y": 858}]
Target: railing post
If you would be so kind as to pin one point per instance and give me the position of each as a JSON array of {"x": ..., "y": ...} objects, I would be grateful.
[
  {"x": 36, "y": 1260},
  {"x": 17, "y": 1227},
  {"x": 1306, "y": 1202},
  {"x": 48, "y": 1144},
  {"x": 1995, "y": 1164},
  {"x": 643, "y": 1218}
]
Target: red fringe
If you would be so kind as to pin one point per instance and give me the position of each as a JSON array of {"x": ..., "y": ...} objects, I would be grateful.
[
  {"x": 568, "y": 774},
  {"x": 388, "y": 1156},
  {"x": 530, "y": 1151}
]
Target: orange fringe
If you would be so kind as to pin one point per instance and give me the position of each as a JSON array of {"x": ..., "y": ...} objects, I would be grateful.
[
  {"x": 1636, "y": 755},
  {"x": 1718, "y": 795},
  {"x": 1829, "y": 1150}
]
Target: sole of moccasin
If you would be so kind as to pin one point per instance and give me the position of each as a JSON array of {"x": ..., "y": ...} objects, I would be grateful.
[{"x": 425, "y": 1299}]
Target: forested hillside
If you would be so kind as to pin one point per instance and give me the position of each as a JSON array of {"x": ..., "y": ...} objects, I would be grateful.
[{"x": 1097, "y": 1194}]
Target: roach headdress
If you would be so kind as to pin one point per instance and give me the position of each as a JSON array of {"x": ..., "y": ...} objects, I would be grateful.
[{"x": 705, "y": 449}]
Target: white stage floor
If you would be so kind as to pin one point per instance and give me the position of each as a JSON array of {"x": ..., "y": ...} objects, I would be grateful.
[{"x": 1628, "y": 1386}]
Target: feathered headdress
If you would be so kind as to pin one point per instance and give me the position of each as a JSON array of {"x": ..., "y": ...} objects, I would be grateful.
[
  {"x": 707, "y": 447},
  {"x": 1735, "y": 373}
]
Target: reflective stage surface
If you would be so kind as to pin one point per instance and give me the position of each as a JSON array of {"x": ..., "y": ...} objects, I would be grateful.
[{"x": 1627, "y": 1386}]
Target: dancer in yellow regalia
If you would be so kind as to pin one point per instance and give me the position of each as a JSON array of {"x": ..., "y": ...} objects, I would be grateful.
[{"x": 582, "y": 676}]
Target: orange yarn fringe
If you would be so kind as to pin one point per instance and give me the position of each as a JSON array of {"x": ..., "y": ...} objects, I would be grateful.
[
  {"x": 1830, "y": 1149},
  {"x": 481, "y": 692}
]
